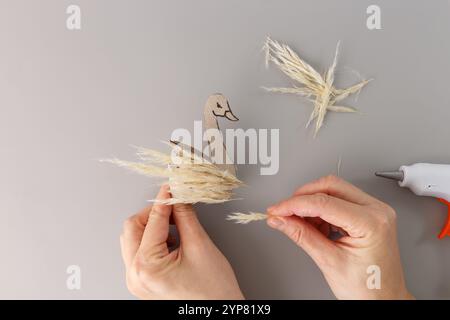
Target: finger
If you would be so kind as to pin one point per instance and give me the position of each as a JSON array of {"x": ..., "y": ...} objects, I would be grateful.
[
  {"x": 336, "y": 187},
  {"x": 302, "y": 233},
  {"x": 157, "y": 229},
  {"x": 338, "y": 212},
  {"x": 131, "y": 236},
  {"x": 188, "y": 225}
]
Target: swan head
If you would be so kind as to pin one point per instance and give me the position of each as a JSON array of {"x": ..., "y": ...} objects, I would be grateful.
[{"x": 220, "y": 107}]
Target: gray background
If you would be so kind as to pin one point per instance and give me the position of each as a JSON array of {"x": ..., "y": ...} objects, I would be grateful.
[{"x": 139, "y": 69}]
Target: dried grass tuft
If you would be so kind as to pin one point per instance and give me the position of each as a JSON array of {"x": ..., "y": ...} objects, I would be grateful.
[
  {"x": 192, "y": 179},
  {"x": 316, "y": 88},
  {"x": 244, "y": 218}
]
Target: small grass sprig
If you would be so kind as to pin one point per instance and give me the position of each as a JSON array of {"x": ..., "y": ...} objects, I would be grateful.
[{"x": 244, "y": 218}]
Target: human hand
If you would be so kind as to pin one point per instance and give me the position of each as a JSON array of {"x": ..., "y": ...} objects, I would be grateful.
[
  {"x": 194, "y": 270},
  {"x": 369, "y": 237}
]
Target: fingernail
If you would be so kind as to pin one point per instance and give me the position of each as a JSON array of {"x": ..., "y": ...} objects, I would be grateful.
[{"x": 275, "y": 222}]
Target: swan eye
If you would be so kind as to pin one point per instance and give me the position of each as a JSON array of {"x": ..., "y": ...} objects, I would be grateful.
[{"x": 219, "y": 106}]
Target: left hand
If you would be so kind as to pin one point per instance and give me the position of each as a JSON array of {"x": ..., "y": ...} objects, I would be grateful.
[{"x": 194, "y": 270}]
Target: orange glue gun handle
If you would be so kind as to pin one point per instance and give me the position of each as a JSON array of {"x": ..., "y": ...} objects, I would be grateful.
[{"x": 446, "y": 230}]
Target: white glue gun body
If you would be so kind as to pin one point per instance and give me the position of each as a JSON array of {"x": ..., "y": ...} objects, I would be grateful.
[{"x": 425, "y": 179}]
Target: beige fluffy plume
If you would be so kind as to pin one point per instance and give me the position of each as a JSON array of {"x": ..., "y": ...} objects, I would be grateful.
[
  {"x": 244, "y": 218},
  {"x": 191, "y": 178},
  {"x": 316, "y": 88}
]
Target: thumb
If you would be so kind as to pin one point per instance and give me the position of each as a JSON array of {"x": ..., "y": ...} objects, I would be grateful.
[
  {"x": 156, "y": 230},
  {"x": 188, "y": 225},
  {"x": 306, "y": 236}
]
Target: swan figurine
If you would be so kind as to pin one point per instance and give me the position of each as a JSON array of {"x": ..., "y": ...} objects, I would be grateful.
[
  {"x": 203, "y": 180},
  {"x": 216, "y": 106}
]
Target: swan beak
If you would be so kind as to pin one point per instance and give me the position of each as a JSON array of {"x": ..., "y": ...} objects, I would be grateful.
[{"x": 230, "y": 116}]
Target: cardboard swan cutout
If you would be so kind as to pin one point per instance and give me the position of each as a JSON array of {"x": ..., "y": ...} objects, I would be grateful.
[
  {"x": 216, "y": 106},
  {"x": 191, "y": 176}
]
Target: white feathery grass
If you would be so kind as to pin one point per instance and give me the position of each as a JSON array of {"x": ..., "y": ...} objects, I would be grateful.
[
  {"x": 312, "y": 84},
  {"x": 244, "y": 218},
  {"x": 191, "y": 179}
]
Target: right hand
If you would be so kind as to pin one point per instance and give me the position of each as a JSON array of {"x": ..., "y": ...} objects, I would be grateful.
[{"x": 369, "y": 237}]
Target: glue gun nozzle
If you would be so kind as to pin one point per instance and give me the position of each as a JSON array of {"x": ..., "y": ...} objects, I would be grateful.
[{"x": 393, "y": 175}]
